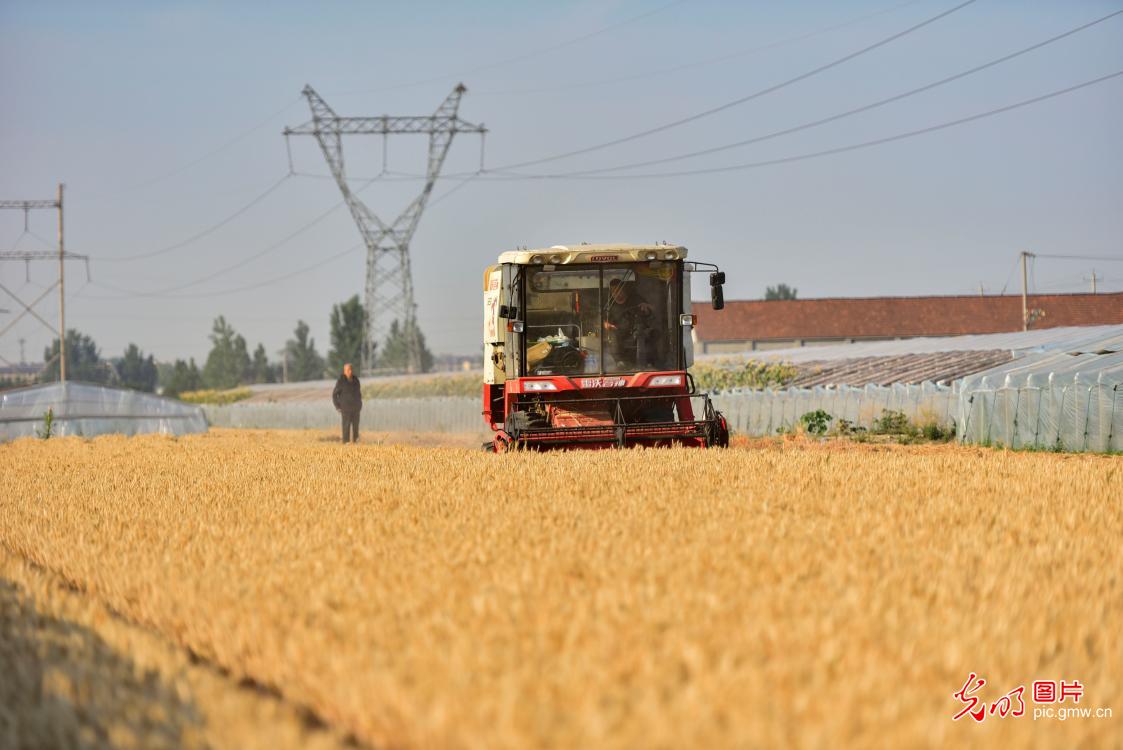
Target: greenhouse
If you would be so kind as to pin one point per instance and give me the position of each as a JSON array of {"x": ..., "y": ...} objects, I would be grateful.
[
  {"x": 1059, "y": 390},
  {"x": 58, "y": 409}
]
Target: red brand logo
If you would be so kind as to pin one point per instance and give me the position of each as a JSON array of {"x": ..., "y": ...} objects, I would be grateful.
[{"x": 1044, "y": 692}]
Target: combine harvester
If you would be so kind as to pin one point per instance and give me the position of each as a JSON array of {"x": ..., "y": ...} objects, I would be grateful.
[{"x": 588, "y": 347}]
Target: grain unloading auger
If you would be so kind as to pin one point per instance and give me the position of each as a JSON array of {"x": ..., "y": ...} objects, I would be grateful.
[{"x": 587, "y": 346}]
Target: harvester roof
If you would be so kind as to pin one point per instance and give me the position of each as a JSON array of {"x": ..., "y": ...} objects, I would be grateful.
[{"x": 585, "y": 253}]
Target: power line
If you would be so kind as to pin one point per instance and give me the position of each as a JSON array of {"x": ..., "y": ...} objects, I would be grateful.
[
  {"x": 1010, "y": 275},
  {"x": 850, "y": 112},
  {"x": 518, "y": 58},
  {"x": 215, "y": 151},
  {"x": 742, "y": 100},
  {"x": 453, "y": 189},
  {"x": 199, "y": 235},
  {"x": 171, "y": 291},
  {"x": 816, "y": 154},
  {"x": 245, "y": 261},
  {"x": 1108, "y": 258},
  {"x": 700, "y": 63},
  {"x": 248, "y": 287}
]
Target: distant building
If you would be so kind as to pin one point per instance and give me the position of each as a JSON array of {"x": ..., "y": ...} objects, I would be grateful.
[
  {"x": 12, "y": 376},
  {"x": 779, "y": 324}
]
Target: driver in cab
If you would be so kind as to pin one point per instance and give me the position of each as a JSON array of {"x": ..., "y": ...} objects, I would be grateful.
[{"x": 622, "y": 320}]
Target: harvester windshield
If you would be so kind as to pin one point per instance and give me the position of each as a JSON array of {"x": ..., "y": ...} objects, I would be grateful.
[{"x": 603, "y": 319}]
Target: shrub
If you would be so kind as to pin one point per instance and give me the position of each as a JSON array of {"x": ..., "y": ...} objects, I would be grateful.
[
  {"x": 893, "y": 422},
  {"x": 933, "y": 431},
  {"x": 816, "y": 422},
  {"x": 725, "y": 375}
]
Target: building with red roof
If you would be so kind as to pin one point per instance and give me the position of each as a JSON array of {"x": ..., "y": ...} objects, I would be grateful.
[{"x": 778, "y": 324}]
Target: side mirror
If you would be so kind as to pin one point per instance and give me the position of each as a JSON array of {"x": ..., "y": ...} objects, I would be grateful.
[
  {"x": 717, "y": 297},
  {"x": 717, "y": 278}
]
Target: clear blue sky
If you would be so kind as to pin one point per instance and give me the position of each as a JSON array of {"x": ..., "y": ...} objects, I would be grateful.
[{"x": 121, "y": 99}]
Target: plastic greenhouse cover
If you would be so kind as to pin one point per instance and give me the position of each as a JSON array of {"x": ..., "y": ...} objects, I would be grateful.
[
  {"x": 1064, "y": 393},
  {"x": 88, "y": 409},
  {"x": 1037, "y": 370}
]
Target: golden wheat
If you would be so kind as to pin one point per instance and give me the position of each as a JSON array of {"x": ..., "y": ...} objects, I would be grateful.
[
  {"x": 77, "y": 675},
  {"x": 785, "y": 594}
]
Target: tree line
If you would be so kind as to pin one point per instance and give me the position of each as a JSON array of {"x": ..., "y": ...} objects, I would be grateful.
[{"x": 230, "y": 363}]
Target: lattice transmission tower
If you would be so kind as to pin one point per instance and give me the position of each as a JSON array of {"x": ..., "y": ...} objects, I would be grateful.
[{"x": 389, "y": 284}]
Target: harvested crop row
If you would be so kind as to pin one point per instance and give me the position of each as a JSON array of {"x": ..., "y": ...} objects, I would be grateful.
[
  {"x": 795, "y": 595},
  {"x": 77, "y": 675}
]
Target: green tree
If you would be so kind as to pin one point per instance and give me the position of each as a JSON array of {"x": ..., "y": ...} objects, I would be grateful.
[
  {"x": 228, "y": 361},
  {"x": 136, "y": 371},
  {"x": 347, "y": 323},
  {"x": 780, "y": 291},
  {"x": 260, "y": 369},
  {"x": 395, "y": 352},
  {"x": 181, "y": 377},
  {"x": 83, "y": 360},
  {"x": 304, "y": 362}
]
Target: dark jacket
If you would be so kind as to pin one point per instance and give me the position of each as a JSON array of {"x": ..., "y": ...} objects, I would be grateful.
[{"x": 346, "y": 395}]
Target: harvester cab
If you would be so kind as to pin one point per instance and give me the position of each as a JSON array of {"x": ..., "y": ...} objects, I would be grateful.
[{"x": 588, "y": 346}]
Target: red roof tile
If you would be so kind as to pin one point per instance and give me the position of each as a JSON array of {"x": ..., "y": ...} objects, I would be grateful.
[{"x": 871, "y": 317}]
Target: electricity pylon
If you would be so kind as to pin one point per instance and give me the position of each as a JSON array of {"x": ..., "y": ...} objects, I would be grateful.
[
  {"x": 50, "y": 255},
  {"x": 389, "y": 284}
]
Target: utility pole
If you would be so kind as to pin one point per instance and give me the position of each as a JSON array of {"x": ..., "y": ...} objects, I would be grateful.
[
  {"x": 29, "y": 255},
  {"x": 1025, "y": 302},
  {"x": 61, "y": 294},
  {"x": 1094, "y": 279},
  {"x": 388, "y": 292}
]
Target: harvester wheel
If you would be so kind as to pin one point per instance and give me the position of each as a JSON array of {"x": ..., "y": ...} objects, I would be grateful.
[
  {"x": 721, "y": 435},
  {"x": 502, "y": 442}
]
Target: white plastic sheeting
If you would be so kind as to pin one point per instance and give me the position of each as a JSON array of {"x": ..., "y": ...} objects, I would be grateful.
[
  {"x": 768, "y": 412},
  {"x": 1062, "y": 401},
  {"x": 1046, "y": 400},
  {"x": 87, "y": 409}
]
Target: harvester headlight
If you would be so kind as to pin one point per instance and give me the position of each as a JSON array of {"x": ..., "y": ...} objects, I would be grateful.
[
  {"x": 670, "y": 255},
  {"x": 686, "y": 320},
  {"x": 555, "y": 259},
  {"x": 539, "y": 385},
  {"x": 652, "y": 255},
  {"x": 536, "y": 259},
  {"x": 665, "y": 380}
]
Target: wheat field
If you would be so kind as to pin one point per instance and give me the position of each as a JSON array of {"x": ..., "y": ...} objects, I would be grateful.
[{"x": 280, "y": 589}]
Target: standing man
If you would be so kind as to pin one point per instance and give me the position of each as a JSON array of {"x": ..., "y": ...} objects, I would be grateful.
[{"x": 348, "y": 401}]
